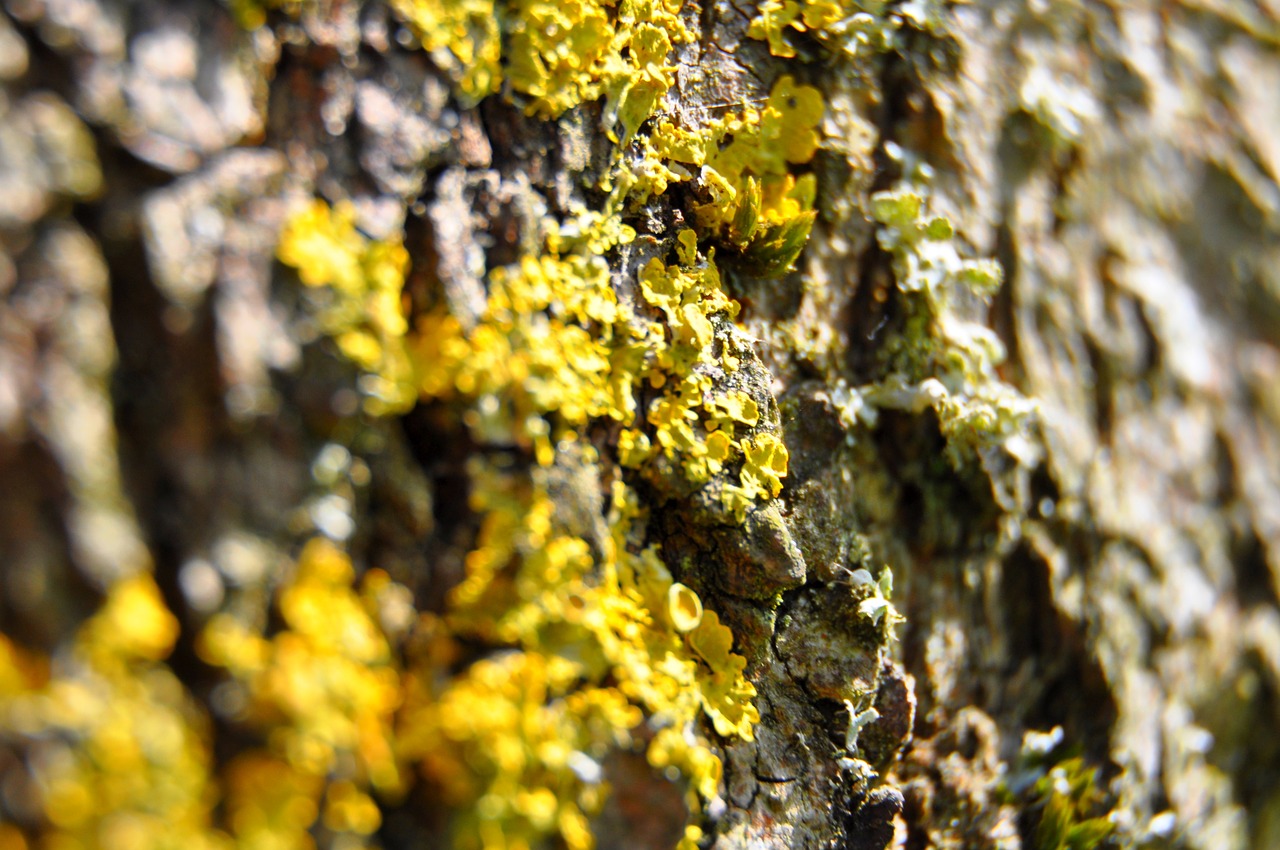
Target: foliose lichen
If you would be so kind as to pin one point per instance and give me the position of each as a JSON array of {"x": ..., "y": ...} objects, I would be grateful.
[
  {"x": 593, "y": 641},
  {"x": 360, "y": 283},
  {"x": 117, "y": 749},
  {"x": 941, "y": 361},
  {"x": 556, "y": 646},
  {"x": 840, "y": 25},
  {"x": 557, "y": 54}
]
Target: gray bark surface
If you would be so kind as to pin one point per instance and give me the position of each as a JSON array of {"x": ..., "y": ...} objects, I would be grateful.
[{"x": 1107, "y": 564}]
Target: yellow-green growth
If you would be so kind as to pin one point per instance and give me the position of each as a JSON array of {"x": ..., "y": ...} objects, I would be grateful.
[
  {"x": 941, "y": 361},
  {"x": 850, "y": 26},
  {"x": 323, "y": 694},
  {"x": 122, "y": 758},
  {"x": 750, "y": 201},
  {"x": 559, "y": 53},
  {"x": 598, "y": 644},
  {"x": 463, "y": 39},
  {"x": 515, "y": 743},
  {"x": 539, "y": 361},
  {"x": 589, "y": 638},
  {"x": 361, "y": 308},
  {"x": 1070, "y": 805},
  {"x": 326, "y": 686}
]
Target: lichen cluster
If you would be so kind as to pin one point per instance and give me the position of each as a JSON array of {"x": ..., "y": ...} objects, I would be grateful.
[
  {"x": 555, "y": 55},
  {"x": 116, "y": 750},
  {"x": 752, "y": 204},
  {"x": 484, "y": 430},
  {"x": 322, "y": 692},
  {"x": 557, "y": 646},
  {"x": 593, "y": 645},
  {"x": 841, "y": 25},
  {"x": 564, "y": 640},
  {"x": 361, "y": 282},
  {"x": 942, "y": 361}
]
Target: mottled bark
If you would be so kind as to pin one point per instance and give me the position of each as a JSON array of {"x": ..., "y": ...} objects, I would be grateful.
[{"x": 1109, "y": 564}]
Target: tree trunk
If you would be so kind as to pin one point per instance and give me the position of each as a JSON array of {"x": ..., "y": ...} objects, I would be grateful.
[{"x": 636, "y": 423}]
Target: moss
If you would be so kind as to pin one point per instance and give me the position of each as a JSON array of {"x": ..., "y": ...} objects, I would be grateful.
[
  {"x": 1068, "y": 795},
  {"x": 1065, "y": 807}
]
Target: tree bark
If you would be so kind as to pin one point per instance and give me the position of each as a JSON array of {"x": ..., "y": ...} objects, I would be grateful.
[{"x": 1020, "y": 586}]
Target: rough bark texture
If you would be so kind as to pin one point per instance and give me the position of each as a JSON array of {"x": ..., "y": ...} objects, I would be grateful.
[{"x": 1083, "y": 537}]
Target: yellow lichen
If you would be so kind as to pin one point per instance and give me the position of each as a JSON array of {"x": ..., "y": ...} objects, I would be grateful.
[
  {"x": 270, "y": 804},
  {"x": 514, "y": 743},
  {"x": 740, "y": 164},
  {"x": 587, "y": 638},
  {"x": 133, "y": 623},
  {"x": 765, "y": 466},
  {"x": 558, "y": 54},
  {"x": 364, "y": 280},
  {"x": 557, "y": 642},
  {"x": 19, "y": 671},
  {"x": 121, "y": 754},
  {"x": 684, "y": 607},
  {"x": 775, "y": 16},
  {"x": 463, "y": 40},
  {"x": 842, "y": 25},
  {"x": 579, "y": 622},
  {"x": 558, "y": 51},
  {"x": 730, "y": 409},
  {"x": 326, "y": 687},
  {"x": 726, "y": 696},
  {"x": 322, "y": 694},
  {"x": 533, "y": 364}
]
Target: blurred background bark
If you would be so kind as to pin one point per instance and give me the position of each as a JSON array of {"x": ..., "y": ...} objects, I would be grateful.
[{"x": 1108, "y": 568}]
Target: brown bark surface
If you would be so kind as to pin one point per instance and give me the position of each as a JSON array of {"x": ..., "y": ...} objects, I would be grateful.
[{"x": 1106, "y": 565}]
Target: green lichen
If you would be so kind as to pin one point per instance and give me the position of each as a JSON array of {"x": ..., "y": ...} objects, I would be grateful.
[
  {"x": 941, "y": 361},
  {"x": 1066, "y": 807},
  {"x": 878, "y": 605},
  {"x": 1069, "y": 795}
]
